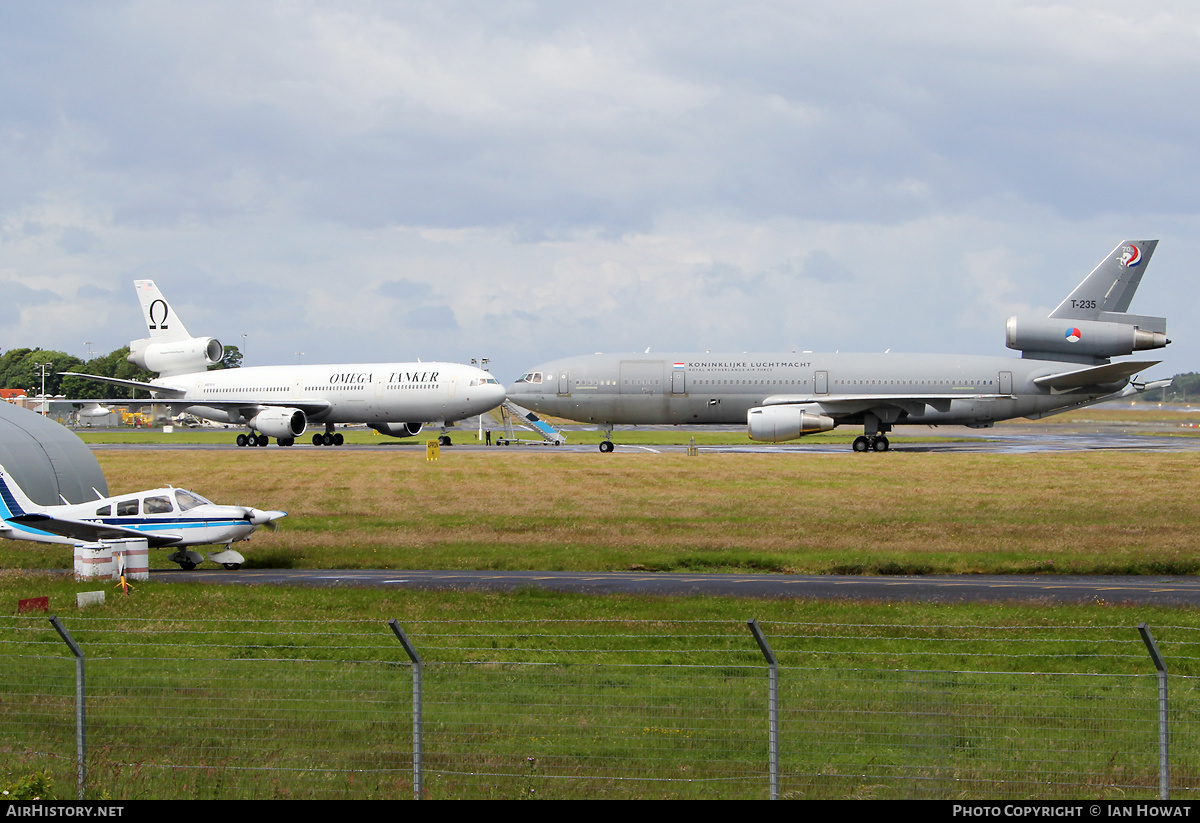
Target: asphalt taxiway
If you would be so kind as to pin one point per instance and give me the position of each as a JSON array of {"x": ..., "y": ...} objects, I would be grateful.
[{"x": 1157, "y": 590}]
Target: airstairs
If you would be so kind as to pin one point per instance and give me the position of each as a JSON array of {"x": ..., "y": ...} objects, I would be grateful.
[{"x": 512, "y": 415}]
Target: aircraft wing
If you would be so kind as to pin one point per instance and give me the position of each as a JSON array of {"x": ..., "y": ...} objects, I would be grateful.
[
  {"x": 174, "y": 398},
  {"x": 129, "y": 384},
  {"x": 842, "y": 405},
  {"x": 89, "y": 531}
]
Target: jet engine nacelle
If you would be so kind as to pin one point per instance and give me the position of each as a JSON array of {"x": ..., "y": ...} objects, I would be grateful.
[
  {"x": 1091, "y": 338},
  {"x": 178, "y": 357},
  {"x": 397, "y": 429},
  {"x": 280, "y": 423},
  {"x": 775, "y": 424}
]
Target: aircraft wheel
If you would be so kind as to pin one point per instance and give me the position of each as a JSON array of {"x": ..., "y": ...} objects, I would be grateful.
[
  {"x": 318, "y": 440},
  {"x": 606, "y": 446},
  {"x": 338, "y": 439},
  {"x": 241, "y": 441},
  {"x": 862, "y": 444},
  {"x": 262, "y": 440},
  {"x": 444, "y": 440},
  {"x": 187, "y": 565},
  {"x": 285, "y": 441},
  {"x": 881, "y": 444},
  {"x": 327, "y": 439},
  {"x": 232, "y": 566}
]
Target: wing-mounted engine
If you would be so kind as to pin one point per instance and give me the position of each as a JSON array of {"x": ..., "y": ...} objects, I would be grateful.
[
  {"x": 1085, "y": 341},
  {"x": 280, "y": 423},
  {"x": 776, "y": 424},
  {"x": 167, "y": 358},
  {"x": 397, "y": 429}
]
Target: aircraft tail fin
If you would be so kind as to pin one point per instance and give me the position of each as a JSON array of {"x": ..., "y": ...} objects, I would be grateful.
[
  {"x": 161, "y": 321},
  {"x": 13, "y": 501},
  {"x": 1110, "y": 287}
]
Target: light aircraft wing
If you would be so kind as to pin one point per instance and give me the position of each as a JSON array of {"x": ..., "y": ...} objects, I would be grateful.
[
  {"x": 91, "y": 532},
  {"x": 1093, "y": 375}
]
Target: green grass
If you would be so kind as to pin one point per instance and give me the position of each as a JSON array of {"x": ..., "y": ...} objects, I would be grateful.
[
  {"x": 1103, "y": 512},
  {"x": 235, "y": 692}
]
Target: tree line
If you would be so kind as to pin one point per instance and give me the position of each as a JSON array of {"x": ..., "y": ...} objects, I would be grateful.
[{"x": 22, "y": 369}]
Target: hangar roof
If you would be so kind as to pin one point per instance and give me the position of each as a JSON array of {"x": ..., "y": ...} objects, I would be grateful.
[{"x": 47, "y": 459}]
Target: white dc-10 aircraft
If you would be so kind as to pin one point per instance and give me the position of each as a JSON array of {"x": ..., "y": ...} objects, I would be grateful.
[
  {"x": 164, "y": 517},
  {"x": 1065, "y": 364},
  {"x": 396, "y": 399}
]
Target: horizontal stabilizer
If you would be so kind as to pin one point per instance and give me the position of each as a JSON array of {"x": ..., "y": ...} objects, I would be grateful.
[
  {"x": 89, "y": 531},
  {"x": 1094, "y": 376}
]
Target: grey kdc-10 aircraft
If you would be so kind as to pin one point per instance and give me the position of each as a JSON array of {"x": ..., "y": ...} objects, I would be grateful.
[{"x": 1065, "y": 364}]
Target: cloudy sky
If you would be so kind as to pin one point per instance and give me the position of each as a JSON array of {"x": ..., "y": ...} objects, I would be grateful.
[{"x": 524, "y": 180}]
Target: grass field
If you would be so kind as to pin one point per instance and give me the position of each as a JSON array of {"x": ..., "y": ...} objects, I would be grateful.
[{"x": 1092, "y": 512}]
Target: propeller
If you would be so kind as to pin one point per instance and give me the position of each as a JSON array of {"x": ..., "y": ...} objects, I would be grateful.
[{"x": 258, "y": 517}]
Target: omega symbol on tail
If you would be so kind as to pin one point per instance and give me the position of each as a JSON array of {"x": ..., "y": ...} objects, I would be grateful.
[{"x": 162, "y": 324}]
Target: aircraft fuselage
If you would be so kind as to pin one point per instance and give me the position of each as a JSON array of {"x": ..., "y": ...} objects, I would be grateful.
[
  {"x": 341, "y": 393},
  {"x": 708, "y": 388}
]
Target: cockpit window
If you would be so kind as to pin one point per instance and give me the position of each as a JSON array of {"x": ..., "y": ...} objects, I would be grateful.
[
  {"x": 104, "y": 511},
  {"x": 127, "y": 507},
  {"x": 187, "y": 500},
  {"x": 156, "y": 505},
  {"x": 531, "y": 377},
  {"x": 484, "y": 381}
]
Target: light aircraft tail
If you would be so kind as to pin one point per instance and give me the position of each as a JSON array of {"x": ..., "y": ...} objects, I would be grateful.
[
  {"x": 13, "y": 501},
  {"x": 1111, "y": 285},
  {"x": 161, "y": 320}
]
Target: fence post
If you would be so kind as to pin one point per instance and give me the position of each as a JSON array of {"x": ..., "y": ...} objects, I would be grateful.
[
  {"x": 417, "y": 722},
  {"x": 80, "y": 718},
  {"x": 772, "y": 702},
  {"x": 1164, "y": 775}
]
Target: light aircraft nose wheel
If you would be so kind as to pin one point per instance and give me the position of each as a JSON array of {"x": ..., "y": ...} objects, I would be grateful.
[
  {"x": 187, "y": 565},
  {"x": 881, "y": 444},
  {"x": 861, "y": 443},
  {"x": 606, "y": 446},
  {"x": 232, "y": 566}
]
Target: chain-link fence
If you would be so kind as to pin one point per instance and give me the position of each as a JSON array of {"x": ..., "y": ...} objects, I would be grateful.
[{"x": 257, "y": 709}]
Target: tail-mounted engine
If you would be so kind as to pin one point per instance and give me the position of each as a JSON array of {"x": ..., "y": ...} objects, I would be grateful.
[
  {"x": 193, "y": 354},
  {"x": 1050, "y": 338}
]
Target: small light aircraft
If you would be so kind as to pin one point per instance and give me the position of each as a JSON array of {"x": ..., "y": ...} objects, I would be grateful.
[{"x": 164, "y": 517}]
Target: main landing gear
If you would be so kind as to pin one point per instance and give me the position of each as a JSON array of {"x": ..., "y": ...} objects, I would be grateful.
[
  {"x": 256, "y": 439},
  {"x": 862, "y": 443},
  {"x": 873, "y": 439},
  {"x": 329, "y": 438}
]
